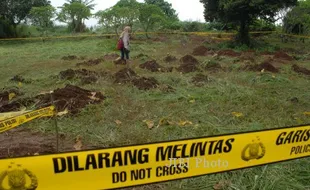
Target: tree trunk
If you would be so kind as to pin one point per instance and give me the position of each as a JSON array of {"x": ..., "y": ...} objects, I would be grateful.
[{"x": 243, "y": 36}]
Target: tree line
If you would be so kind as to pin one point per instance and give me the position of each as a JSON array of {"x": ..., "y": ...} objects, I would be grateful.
[{"x": 158, "y": 15}]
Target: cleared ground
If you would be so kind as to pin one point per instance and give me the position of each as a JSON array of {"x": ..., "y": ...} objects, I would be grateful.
[{"x": 196, "y": 89}]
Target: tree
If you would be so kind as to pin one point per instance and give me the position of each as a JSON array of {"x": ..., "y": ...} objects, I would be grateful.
[
  {"x": 149, "y": 16},
  {"x": 13, "y": 12},
  {"x": 74, "y": 14},
  {"x": 125, "y": 12},
  {"x": 243, "y": 13},
  {"x": 42, "y": 17},
  {"x": 165, "y": 7},
  {"x": 297, "y": 20}
]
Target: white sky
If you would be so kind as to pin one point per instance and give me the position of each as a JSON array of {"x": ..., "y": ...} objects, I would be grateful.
[{"x": 187, "y": 9}]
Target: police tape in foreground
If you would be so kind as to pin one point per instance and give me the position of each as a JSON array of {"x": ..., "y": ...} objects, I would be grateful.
[
  {"x": 16, "y": 121},
  {"x": 151, "y": 163}
]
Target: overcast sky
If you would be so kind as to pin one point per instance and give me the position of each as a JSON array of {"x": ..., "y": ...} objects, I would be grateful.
[{"x": 186, "y": 9}]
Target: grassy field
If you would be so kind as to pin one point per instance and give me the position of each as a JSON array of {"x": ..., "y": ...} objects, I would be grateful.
[{"x": 266, "y": 100}]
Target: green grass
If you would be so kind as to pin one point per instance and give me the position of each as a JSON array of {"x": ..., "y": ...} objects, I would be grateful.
[{"x": 263, "y": 99}]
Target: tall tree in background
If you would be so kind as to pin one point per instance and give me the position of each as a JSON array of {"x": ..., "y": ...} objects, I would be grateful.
[
  {"x": 243, "y": 13},
  {"x": 297, "y": 20},
  {"x": 74, "y": 12},
  {"x": 149, "y": 16},
  {"x": 165, "y": 7},
  {"x": 14, "y": 12},
  {"x": 42, "y": 17}
]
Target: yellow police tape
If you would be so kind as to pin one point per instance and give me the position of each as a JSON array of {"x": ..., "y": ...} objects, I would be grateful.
[
  {"x": 16, "y": 121},
  {"x": 151, "y": 163}
]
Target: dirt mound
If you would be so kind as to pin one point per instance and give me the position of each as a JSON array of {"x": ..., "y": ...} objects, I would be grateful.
[
  {"x": 189, "y": 59},
  {"x": 91, "y": 62},
  {"x": 110, "y": 57},
  {"x": 200, "y": 51},
  {"x": 283, "y": 56},
  {"x": 69, "y": 58},
  {"x": 145, "y": 83},
  {"x": 266, "y": 53},
  {"x": 125, "y": 75},
  {"x": 22, "y": 142},
  {"x": 301, "y": 70},
  {"x": 213, "y": 66},
  {"x": 264, "y": 66},
  {"x": 72, "y": 98},
  {"x": 19, "y": 78},
  {"x": 199, "y": 79},
  {"x": 229, "y": 53},
  {"x": 170, "y": 59},
  {"x": 189, "y": 64}
]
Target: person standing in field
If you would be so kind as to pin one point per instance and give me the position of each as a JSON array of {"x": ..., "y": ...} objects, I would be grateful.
[{"x": 125, "y": 50}]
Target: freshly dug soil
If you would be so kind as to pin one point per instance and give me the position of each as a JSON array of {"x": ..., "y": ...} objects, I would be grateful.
[
  {"x": 200, "y": 51},
  {"x": 125, "y": 75},
  {"x": 283, "y": 56},
  {"x": 69, "y": 58},
  {"x": 91, "y": 62},
  {"x": 19, "y": 78},
  {"x": 170, "y": 59},
  {"x": 145, "y": 83},
  {"x": 265, "y": 65},
  {"x": 71, "y": 97},
  {"x": 267, "y": 53},
  {"x": 300, "y": 70},
  {"x": 21, "y": 142},
  {"x": 153, "y": 66},
  {"x": 229, "y": 53},
  {"x": 189, "y": 59},
  {"x": 189, "y": 64},
  {"x": 213, "y": 66}
]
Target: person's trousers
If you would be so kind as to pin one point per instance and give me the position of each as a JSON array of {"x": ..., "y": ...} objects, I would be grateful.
[{"x": 124, "y": 53}]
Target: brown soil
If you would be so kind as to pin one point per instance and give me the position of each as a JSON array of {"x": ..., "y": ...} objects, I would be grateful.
[
  {"x": 199, "y": 79},
  {"x": 69, "y": 58},
  {"x": 91, "y": 62},
  {"x": 267, "y": 53},
  {"x": 301, "y": 70},
  {"x": 111, "y": 57},
  {"x": 125, "y": 75},
  {"x": 265, "y": 65},
  {"x": 22, "y": 142},
  {"x": 170, "y": 59},
  {"x": 189, "y": 59},
  {"x": 71, "y": 97},
  {"x": 283, "y": 56},
  {"x": 189, "y": 64},
  {"x": 213, "y": 67},
  {"x": 229, "y": 53},
  {"x": 19, "y": 78},
  {"x": 145, "y": 83},
  {"x": 200, "y": 51}
]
